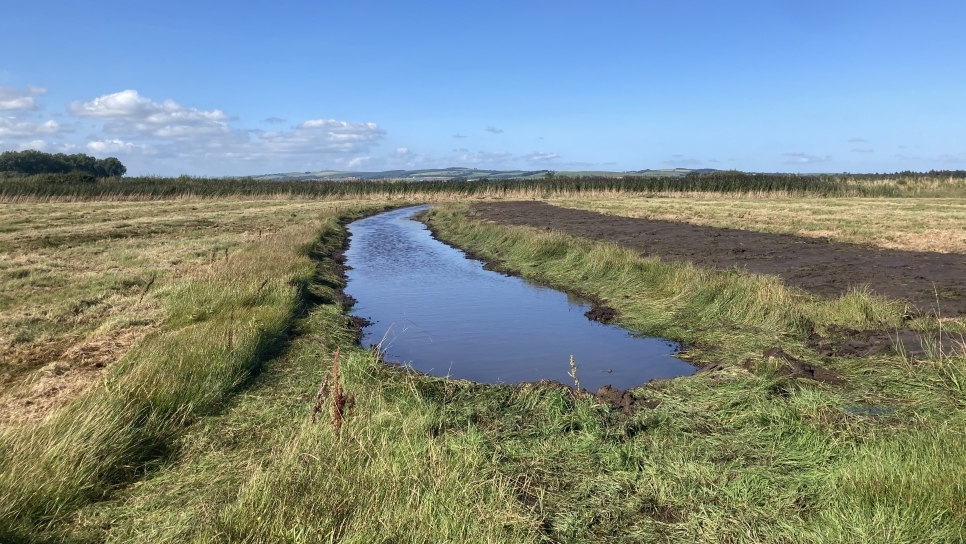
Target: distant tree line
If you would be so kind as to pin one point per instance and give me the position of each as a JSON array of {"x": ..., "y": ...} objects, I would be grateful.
[{"x": 80, "y": 166}]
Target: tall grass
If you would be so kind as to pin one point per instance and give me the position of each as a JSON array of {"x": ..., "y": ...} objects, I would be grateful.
[{"x": 147, "y": 188}]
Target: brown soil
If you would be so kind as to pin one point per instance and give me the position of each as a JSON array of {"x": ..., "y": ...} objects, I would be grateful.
[
  {"x": 625, "y": 401},
  {"x": 796, "y": 368},
  {"x": 813, "y": 264},
  {"x": 67, "y": 377}
]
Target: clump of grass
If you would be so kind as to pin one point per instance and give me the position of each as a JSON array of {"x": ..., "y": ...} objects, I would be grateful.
[{"x": 341, "y": 401}]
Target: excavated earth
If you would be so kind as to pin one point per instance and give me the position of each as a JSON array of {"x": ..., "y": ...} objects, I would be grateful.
[{"x": 816, "y": 265}]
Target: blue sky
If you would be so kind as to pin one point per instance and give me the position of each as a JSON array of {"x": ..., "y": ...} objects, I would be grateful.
[{"x": 230, "y": 88}]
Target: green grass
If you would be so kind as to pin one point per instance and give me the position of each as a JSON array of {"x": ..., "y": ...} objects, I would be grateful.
[
  {"x": 748, "y": 456},
  {"x": 220, "y": 325},
  {"x": 221, "y": 448}
]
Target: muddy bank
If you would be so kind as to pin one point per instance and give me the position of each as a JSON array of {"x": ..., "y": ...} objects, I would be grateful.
[{"x": 813, "y": 264}]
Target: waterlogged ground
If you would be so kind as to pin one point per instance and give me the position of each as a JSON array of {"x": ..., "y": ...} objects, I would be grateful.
[{"x": 445, "y": 315}]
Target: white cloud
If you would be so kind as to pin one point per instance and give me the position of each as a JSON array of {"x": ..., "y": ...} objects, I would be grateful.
[
  {"x": 356, "y": 162},
  {"x": 167, "y": 133},
  {"x": 43, "y": 145},
  {"x": 458, "y": 135},
  {"x": 857, "y": 140},
  {"x": 38, "y": 145},
  {"x": 804, "y": 158},
  {"x": 318, "y": 136},
  {"x": 863, "y": 150},
  {"x": 537, "y": 156},
  {"x": 117, "y": 146},
  {"x": 11, "y": 127},
  {"x": 494, "y": 130},
  {"x": 127, "y": 112},
  {"x": 12, "y": 99}
]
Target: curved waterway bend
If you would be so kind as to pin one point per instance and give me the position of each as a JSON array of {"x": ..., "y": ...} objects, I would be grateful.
[{"x": 441, "y": 313}]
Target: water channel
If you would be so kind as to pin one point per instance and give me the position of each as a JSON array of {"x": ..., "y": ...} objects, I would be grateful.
[{"x": 443, "y": 314}]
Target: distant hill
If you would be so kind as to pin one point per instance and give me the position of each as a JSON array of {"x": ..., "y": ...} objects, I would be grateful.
[{"x": 466, "y": 173}]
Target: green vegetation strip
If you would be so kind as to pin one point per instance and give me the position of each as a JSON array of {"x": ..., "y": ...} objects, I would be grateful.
[{"x": 15, "y": 187}]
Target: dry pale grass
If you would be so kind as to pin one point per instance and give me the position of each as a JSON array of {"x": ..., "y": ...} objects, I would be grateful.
[
  {"x": 915, "y": 224},
  {"x": 81, "y": 283}
]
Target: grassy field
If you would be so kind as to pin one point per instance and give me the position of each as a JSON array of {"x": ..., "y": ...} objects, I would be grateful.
[{"x": 194, "y": 423}]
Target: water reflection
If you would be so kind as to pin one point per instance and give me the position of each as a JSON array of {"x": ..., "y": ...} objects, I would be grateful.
[{"x": 442, "y": 313}]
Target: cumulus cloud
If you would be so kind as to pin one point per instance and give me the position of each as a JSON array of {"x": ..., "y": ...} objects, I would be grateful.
[
  {"x": 318, "y": 136},
  {"x": 401, "y": 157},
  {"x": 537, "y": 156},
  {"x": 804, "y": 158},
  {"x": 13, "y": 99},
  {"x": 11, "y": 127},
  {"x": 863, "y": 150},
  {"x": 127, "y": 112},
  {"x": 494, "y": 130},
  {"x": 137, "y": 125}
]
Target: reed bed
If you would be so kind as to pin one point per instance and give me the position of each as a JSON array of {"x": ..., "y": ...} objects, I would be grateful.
[{"x": 40, "y": 188}]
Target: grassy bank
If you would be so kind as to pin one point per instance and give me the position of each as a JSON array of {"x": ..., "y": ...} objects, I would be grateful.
[
  {"x": 80, "y": 283},
  {"x": 263, "y": 471},
  {"x": 220, "y": 322}
]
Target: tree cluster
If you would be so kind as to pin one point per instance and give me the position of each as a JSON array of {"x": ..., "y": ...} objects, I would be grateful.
[{"x": 32, "y": 162}]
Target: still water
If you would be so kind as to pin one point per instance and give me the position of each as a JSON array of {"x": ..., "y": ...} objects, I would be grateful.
[{"x": 442, "y": 314}]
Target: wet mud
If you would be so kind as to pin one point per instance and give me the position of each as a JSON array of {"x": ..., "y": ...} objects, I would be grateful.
[{"x": 816, "y": 265}]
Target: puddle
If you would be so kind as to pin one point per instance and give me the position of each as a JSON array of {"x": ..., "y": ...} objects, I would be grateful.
[{"x": 442, "y": 314}]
